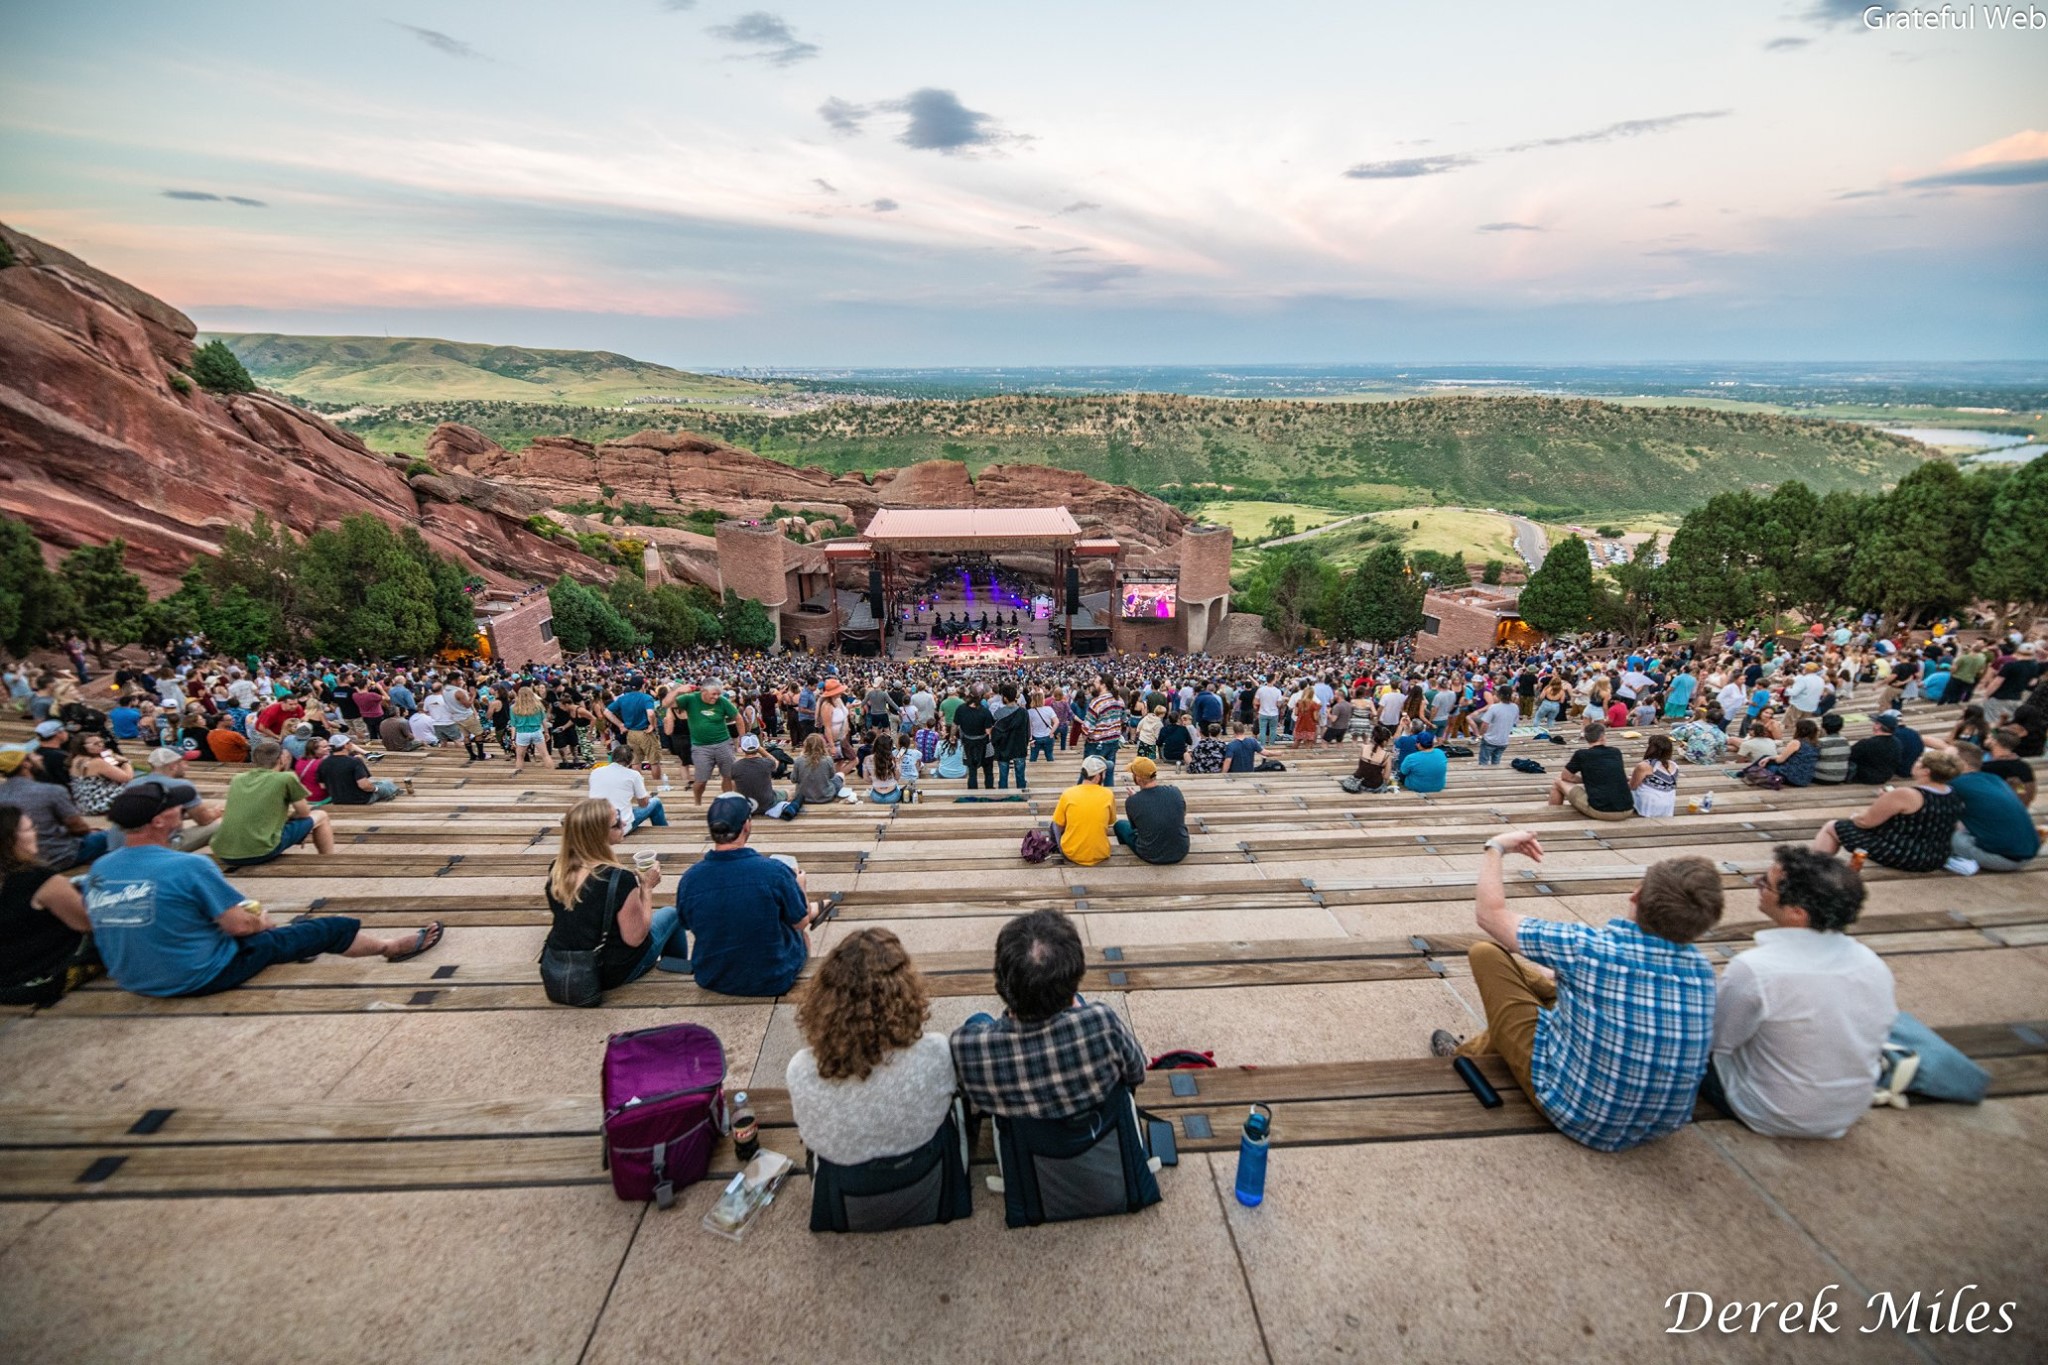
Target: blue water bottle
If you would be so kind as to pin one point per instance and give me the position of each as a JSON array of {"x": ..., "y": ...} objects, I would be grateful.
[{"x": 1251, "y": 1157}]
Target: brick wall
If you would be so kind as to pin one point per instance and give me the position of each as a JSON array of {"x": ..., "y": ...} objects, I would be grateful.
[{"x": 523, "y": 633}]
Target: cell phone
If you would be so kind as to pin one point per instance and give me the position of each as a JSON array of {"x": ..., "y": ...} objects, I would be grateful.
[{"x": 1162, "y": 1142}]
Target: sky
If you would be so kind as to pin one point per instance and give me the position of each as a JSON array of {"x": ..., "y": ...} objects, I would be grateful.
[{"x": 1100, "y": 182}]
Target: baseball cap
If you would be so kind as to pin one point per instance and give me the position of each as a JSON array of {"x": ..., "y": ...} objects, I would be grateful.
[
  {"x": 1888, "y": 719},
  {"x": 160, "y": 758},
  {"x": 136, "y": 806},
  {"x": 49, "y": 729},
  {"x": 750, "y": 744},
  {"x": 1094, "y": 765},
  {"x": 1426, "y": 740},
  {"x": 341, "y": 739},
  {"x": 728, "y": 815},
  {"x": 1142, "y": 768}
]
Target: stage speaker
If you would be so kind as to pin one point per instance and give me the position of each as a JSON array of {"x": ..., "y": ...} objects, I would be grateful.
[
  {"x": 1092, "y": 644},
  {"x": 875, "y": 594},
  {"x": 1073, "y": 591}
]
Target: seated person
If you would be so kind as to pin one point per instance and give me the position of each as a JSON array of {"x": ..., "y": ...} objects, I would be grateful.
[
  {"x": 2005, "y": 762},
  {"x": 425, "y": 734},
  {"x": 870, "y": 1081},
  {"x": 346, "y": 777},
  {"x": 298, "y": 743},
  {"x": 1175, "y": 738},
  {"x": 595, "y": 899},
  {"x": 167, "y": 923},
  {"x": 1210, "y": 752},
  {"x": 747, "y": 915},
  {"x": 268, "y": 811},
  {"x": 1155, "y": 823},
  {"x": 1874, "y": 759},
  {"x": 224, "y": 743},
  {"x": 1242, "y": 753},
  {"x": 1909, "y": 828},
  {"x": 1375, "y": 762},
  {"x": 307, "y": 769},
  {"x": 620, "y": 783},
  {"x": 1084, "y": 816},
  {"x": 1614, "y": 1049},
  {"x": 817, "y": 776},
  {"x": 1426, "y": 769},
  {"x": 1764, "y": 740},
  {"x": 1052, "y": 1055},
  {"x": 1801, "y": 1018},
  {"x": 1594, "y": 781},
  {"x": 885, "y": 788},
  {"x": 1911, "y": 745},
  {"x": 1795, "y": 761},
  {"x": 753, "y": 776},
  {"x": 1996, "y": 833},
  {"x": 63, "y": 834},
  {"x": 395, "y": 734},
  {"x": 1831, "y": 769},
  {"x": 167, "y": 772},
  {"x": 45, "y": 937},
  {"x": 1701, "y": 741}
]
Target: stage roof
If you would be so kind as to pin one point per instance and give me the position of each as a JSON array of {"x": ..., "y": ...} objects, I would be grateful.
[{"x": 972, "y": 528}]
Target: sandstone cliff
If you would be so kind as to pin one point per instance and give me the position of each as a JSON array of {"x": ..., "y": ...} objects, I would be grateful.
[
  {"x": 682, "y": 470},
  {"x": 96, "y": 442}
]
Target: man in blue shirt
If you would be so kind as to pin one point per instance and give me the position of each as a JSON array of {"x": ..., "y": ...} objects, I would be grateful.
[
  {"x": 747, "y": 915},
  {"x": 1997, "y": 831},
  {"x": 1208, "y": 708},
  {"x": 1425, "y": 769},
  {"x": 632, "y": 713},
  {"x": 168, "y": 923},
  {"x": 125, "y": 720},
  {"x": 1241, "y": 755},
  {"x": 1614, "y": 1050}
]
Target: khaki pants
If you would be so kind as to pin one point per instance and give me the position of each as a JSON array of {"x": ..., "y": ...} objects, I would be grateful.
[
  {"x": 1575, "y": 797},
  {"x": 1515, "y": 994},
  {"x": 645, "y": 747}
]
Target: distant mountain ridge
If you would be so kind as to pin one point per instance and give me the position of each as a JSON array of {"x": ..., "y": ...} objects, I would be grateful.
[{"x": 375, "y": 370}]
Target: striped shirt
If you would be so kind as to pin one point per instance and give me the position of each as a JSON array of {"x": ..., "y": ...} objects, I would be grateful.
[
  {"x": 1619, "y": 1061},
  {"x": 1105, "y": 718}
]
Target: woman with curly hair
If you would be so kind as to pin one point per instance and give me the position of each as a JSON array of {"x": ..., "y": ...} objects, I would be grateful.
[{"x": 872, "y": 1083}]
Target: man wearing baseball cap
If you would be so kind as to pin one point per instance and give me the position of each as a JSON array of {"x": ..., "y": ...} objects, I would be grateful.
[
  {"x": 1155, "y": 823},
  {"x": 202, "y": 818},
  {"x": 754, "y": 775},
  {"x": 1085, "y": 815},
  {"x": 169, "y": 924},
  {"x": 64, "y": 836},
  {"x": 52, "y": 759},
  {"x": 748, "y": 915}
]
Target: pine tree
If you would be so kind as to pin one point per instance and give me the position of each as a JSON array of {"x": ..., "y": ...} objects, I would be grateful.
[
  {"x": 219, "y": 369},
  {"x": 363, "y": 593},
  {"x": 109, "y": 604},
  {"x": 1559, "y": 596},
  {"x": 1382, "y": 600},
  {"x": 28, "y": 590},
  {"x": 1919, "y": 555},
  {"x": 1707, "y": 576},
  {"x": 2013, "y": 566},
  {"x": 746, "y": 622}
]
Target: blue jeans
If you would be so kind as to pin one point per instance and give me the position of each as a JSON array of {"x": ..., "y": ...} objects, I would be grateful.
[
  {"x": 667, "y": 920},
  {"x": 1547, "y": 712},
  {"x": 95, "y": 845},
  {"x": 650, "y": 814},
  {"x": 979, "y": 1020},
  {"x": 1041, "y": 746},
  {"x": 1107, "y": 749},
  {"x": 1490, "y": 754},
  {"x": 295, "y": 832},
  {"x": 286, "y": 943},
  {"x": 1269, "y": 726},
  {"x": 1003, "y": 767}
]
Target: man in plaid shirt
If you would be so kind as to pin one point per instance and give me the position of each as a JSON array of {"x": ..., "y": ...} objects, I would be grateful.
[
  {"x": 1051, "y": 1056},
  {"x": 1105, "y": 721},
  {"x": 1612, "y": 1051}
]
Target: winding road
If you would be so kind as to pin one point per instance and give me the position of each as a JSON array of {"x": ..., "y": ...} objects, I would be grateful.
[{"x": 1531, "y": 542}]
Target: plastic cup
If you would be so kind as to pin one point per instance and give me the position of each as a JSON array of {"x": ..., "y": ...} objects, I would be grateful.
[{"x": 645, "y": 859}]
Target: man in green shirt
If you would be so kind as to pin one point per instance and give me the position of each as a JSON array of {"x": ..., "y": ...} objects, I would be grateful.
[
  {"x": 268, "y": 812},
  {"x": 710, "y": 713},
  {"x": 1963, "y": 675},
  {"x": 953, "y": 702}
]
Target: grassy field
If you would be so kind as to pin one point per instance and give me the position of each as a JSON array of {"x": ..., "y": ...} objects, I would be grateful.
[
  {"x": 1477, "y": 535},
  {"x": 1248, "y": 519},
  {"x": 384, "y": 370}
]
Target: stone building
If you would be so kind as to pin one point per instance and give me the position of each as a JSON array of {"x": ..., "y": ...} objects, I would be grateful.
[{"x": 1457, "y": 620}]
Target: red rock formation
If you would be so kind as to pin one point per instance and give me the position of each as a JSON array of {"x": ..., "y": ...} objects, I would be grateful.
[{"x": 95, "y": 442}]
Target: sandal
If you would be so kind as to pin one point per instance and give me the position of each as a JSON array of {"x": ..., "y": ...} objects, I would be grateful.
[{"x": 429, "y": 935}]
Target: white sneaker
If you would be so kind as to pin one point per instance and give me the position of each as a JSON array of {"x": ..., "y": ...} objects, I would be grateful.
[{"x": 1963, "y": 867}]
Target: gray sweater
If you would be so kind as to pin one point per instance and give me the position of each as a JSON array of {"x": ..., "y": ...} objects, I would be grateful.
[{"x": 895, "y": 1110}]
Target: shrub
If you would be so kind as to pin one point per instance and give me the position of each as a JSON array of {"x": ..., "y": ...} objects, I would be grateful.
[
  {"x": 419, "y": 467},
  {"x": 220, "y": 369},
  {"x": 6, "y": 253},
  {"x": 180, "y": 382}
]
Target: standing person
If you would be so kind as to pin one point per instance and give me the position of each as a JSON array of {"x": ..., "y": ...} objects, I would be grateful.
[
  {"x": 1105, "y": 722},
  {"x": 529, "y": 729},
  {"x": 1308, "y": 718},
  {"x": 1009, "y": 736},
  {"x": 711, "y": 716},
  {"x": 1801, "y": 1019},
  {"x": 1614, "y": 1048},
  {"x": 1155, "y": 823},
  {"x": 1267, "y": 700},
  {"x": 268, "y": 812},
  {"x": 975, "y": 725},
  {"x": 2009, "y": 682},
  {"x": 1338, "y": 727},
  {"x": 1497, "y": 727},
  {"x": 1045, "y": 723},
  {"x": 632, "y": 715}
]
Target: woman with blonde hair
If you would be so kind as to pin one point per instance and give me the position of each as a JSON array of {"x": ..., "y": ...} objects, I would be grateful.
[
  {"x": 529, "y": 729},
  {"x": 817, "y": 776},
  {"x": 600, "y": 905},
  {"x": 96, "y": 775},
  {"x": 1907, "y": 828},
  {"x": 871, "y": 1082}
]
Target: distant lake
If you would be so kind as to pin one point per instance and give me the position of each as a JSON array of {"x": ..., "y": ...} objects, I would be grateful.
[
  {"x": 2008, "y": 455},
  {"x": 1956, "y": 436}
]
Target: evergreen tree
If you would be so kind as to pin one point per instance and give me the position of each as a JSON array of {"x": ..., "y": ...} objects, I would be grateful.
[
  {"x": 109, "y": 604},
  {"x": 1382, "y": 600},
  {"x": 1707, "y": 577},
  {"x": 28, "y": 590},
  {"x": 1783, "y": 540},
  {"x": 261, "y": 559},
  {"x": 220, "y": 369},
  {"x": 1918, "y": 556},
  {"x": 1559, "y": 596},
  {"x": 2012, "y": 567},
  {"x": 585, "y": 620},
  {"x": 364, "y": 593},
  {"x": 746, "y": 623}
]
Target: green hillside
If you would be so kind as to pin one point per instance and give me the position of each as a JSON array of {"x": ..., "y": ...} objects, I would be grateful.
[{"x": 378, "y": 370}]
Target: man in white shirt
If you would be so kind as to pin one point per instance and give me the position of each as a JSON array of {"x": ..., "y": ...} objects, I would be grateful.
[
  {"x": 1734, "y": 699},
  {"x": 1268, "y": 699},
  {"x": 435, "y": 708},
  {"x": 621, "y": 784},
  {"x": 422, "y": 727},
  {"x": 1498, "y": 721},
  {"x": 241, "y": 689},
  {"x": 1800, "y": 1019},
  {"x": 1802, "y": 694}
]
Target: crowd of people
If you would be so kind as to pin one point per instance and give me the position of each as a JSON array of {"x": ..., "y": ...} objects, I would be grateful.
[{"x": 1786, "y": 1041}]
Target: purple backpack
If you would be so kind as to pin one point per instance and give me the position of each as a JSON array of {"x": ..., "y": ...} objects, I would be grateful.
[
  {"x": 1037, "y": 846},
  {"x": 664, "y": 1107}
]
